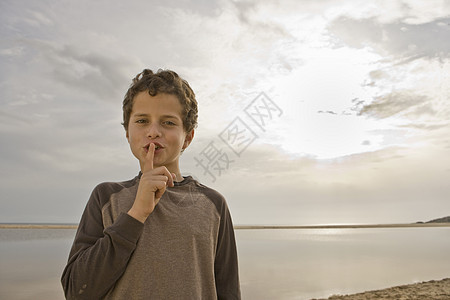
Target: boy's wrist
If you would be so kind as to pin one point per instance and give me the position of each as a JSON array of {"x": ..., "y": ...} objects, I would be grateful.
[{"x": 136, "y": 214}]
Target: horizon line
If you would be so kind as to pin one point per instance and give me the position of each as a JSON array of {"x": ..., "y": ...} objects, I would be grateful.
[{"x": 239, "y": 227}]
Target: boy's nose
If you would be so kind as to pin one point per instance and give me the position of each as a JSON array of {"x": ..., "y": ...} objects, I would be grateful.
[{"x": 153, "y": 131}]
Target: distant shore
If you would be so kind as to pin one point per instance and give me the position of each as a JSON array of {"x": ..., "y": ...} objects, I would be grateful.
[
  {"x": 341, "y": 226},
  {"x": 428, "y": 290},
  {"x": 242, "y": 227},
  {"x": 38, "y": 226}
]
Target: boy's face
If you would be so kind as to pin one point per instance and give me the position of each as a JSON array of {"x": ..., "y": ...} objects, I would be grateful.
[{"x": 157, "y": 119}]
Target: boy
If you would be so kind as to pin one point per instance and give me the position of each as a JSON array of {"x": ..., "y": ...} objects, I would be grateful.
[{"x": 159, "y": 235}]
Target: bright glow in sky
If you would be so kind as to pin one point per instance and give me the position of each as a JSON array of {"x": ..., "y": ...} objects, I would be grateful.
[{"x": 363, "y": 87}]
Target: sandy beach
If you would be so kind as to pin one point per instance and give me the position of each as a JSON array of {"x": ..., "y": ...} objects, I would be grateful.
[{"x": 429, "y": 290}]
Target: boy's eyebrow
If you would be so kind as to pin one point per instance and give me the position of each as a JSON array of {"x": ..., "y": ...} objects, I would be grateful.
[
  {"x": 163, "y": 116},
  {"x": 140, "y": 115}
]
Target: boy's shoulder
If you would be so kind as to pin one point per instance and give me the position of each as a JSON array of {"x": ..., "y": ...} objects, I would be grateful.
[
  {"x": 111, "y": 187},
  {"x": 213, "y": 195},
  {"x": 126, "y": 183}
]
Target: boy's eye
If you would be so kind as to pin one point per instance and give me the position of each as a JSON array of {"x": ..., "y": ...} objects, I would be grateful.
[
  {"x": 170, "y": 123},
  {"x": 141, "y": 121}
]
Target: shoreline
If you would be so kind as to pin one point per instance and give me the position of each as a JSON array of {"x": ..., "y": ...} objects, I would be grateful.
[
  {"x": 244, "y": 227},
  {"x": 426, "y": 290},
  {"x": 38, "y": 226},
  {"x": 343, "y": 226}
]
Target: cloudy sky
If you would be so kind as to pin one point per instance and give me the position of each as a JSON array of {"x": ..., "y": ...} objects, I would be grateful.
[{"x": 311, "y": 112}]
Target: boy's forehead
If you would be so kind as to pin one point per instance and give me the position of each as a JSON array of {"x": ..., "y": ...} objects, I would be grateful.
[{"x": 168, "y": 104}]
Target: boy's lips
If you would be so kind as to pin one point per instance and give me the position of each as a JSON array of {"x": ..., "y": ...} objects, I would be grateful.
[{"x": 158, "y": 146}]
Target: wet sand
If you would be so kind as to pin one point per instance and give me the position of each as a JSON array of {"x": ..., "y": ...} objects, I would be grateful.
[{"x": 429, "y": 290}]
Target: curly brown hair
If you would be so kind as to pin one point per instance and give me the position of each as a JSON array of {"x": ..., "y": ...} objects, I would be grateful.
[{"x": 163, "y": 81}]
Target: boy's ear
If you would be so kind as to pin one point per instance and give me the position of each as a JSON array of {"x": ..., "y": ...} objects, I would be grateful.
[{"x": 188, "y": 139}]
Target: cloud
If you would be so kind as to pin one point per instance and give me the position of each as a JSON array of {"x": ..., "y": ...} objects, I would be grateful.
[
  {"x": 426, "y": 127},
  {"x": 249, "y": 14},
  {"x": 104, "y": 75},
  {"x": 396, "y": 103},
  {"x": 207, "y": 8},
  {"x": 11, "y": 119},
  {"x": 37, "y": 19},
  {"x": 64, "y": 72},
  {"x": 327, "y": 112},
  {"x": 402, "y": 41},
  {"x": 13, "y": 51},
  {"x": 304, "y": 190}
]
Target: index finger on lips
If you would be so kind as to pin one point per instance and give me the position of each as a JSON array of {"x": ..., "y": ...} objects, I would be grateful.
[{"x": 148, "y": 165}]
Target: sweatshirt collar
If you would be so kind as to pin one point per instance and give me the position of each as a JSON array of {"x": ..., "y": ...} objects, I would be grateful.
[{"x": 186, "y": 179}]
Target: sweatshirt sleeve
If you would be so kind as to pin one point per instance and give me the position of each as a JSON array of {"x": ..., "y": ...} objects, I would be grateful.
[
  {"x": 226, "y": 262},
  {"x": 99, "y": 256}
]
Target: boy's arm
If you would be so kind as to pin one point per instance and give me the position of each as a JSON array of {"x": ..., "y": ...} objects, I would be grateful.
[
  {"x": 226, "y": 262},
  {"x": 99, "y": 256}
]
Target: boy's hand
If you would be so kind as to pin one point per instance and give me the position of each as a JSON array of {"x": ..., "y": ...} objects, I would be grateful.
[{"x": 152, "y": 186}]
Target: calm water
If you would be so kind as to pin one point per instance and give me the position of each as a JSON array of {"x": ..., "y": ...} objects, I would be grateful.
[{"x": 274, "y": 264}]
